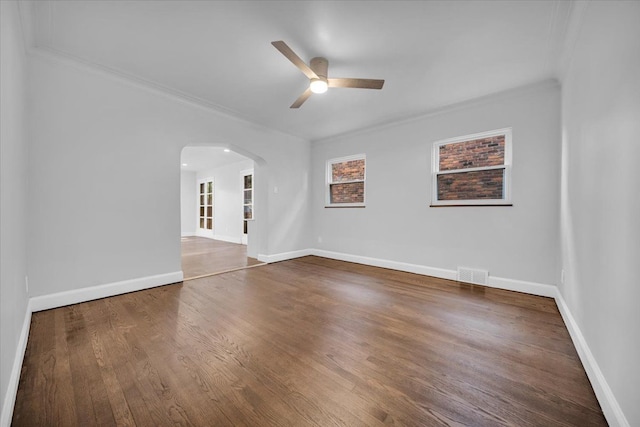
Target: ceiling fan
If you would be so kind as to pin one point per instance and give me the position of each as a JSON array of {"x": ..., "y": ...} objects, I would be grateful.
[{"x": 316, "y": 71}]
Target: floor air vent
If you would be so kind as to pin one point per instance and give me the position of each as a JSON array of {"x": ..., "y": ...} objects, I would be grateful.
[{"x": 470, "y": 275}]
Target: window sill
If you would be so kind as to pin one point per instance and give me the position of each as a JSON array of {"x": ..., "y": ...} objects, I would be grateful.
[
  {"x": 470, "y": 205},
  {"x": 343, "y": 206}
]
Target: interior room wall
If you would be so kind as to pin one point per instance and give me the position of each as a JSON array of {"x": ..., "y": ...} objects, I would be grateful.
[
  {"x": 13, "y": 193},
  {"x": 188, "y": 200},
  {"x": 105, "y": 167},
  {"x": 227, "y": 200},
  {"x": 397, "y": 224},
  {"x": 600, "y": 207}
]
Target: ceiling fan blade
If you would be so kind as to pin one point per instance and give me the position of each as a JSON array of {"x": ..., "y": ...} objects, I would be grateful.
[
  {"x": 305, "y": 95},
  {"x": 357, "y": 83},
  {"x": 291, "y": 56}
]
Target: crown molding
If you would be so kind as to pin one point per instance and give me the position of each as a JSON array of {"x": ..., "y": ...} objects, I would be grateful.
[
  {"x": 51, "y": 54},
  {"x": 393, "y": 122}
]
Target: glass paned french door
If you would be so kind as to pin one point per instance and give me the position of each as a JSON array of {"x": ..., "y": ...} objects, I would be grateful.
[
  {"x": 248, "y": 196},
  {"x": 205, "y": 205},
  {"x": 247, "y": 202}
]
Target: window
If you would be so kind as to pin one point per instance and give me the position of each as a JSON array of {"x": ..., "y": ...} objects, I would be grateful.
[
  {"x": 473, "y": 170},
  {"x": 345, "y": 181},
  {"x": 247, "y": 197}
]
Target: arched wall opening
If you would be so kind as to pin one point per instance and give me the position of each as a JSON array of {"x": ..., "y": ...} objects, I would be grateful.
[{"x": 223, "y": 195}]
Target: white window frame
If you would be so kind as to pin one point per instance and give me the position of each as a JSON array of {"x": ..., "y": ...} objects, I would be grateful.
[
  {"x": 329, "y": 182},
  {"x": 506, "y": 187}
]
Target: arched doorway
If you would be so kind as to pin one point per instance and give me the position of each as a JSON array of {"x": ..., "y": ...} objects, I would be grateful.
[{"x": 218, "y": 210}]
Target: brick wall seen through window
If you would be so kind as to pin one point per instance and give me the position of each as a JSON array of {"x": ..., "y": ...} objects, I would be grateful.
[
  {"x": 346, "y": 181},
  {"x": 472, "y": 169}
]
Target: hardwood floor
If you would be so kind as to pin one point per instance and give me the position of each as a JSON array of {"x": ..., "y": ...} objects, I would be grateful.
[
  {"x": 202, "y": 257},
  {"x": 304, "y": 342}
]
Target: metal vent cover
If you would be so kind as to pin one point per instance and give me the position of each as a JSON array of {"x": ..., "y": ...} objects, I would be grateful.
[{"x": 471, "y": 275}]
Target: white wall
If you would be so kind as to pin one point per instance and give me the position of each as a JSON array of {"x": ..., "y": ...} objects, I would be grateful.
[
  {"x": 105, "y": 177},
  {"x": 600, "y": 213},
  {"x": 13, "y": 193},
  {"x": 188, "y": 201},
  {"x": 518, "y": 242},
  {"x": 227, "y": 200},
  {"x": 124, "y": 141}
]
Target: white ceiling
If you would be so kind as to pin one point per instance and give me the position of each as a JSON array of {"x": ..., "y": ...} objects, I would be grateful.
[
  {"x": 205, "y": 158},
  {"x": 431, "y": 53}
]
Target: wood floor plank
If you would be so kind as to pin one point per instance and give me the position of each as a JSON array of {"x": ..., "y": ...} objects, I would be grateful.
[
  {"x": 307, "y": 342},
  {"x": 202, "y": 256},
  {"x": 90, "y": 394}
]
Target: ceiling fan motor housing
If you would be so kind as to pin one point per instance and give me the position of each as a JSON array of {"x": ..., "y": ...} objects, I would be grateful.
[{"x": 319, "y": 65}]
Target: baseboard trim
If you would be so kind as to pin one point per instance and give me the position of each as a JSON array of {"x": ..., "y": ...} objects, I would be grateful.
[
  {"x": 229, "y": 239},
  {"x": 610, "y": 407},
  {"x": 393, "y": 265},
  {"x": 533, "y": 288},
  {"x": 14, "y": 378},
  {"x": 284, "y": 256},
  {"x": 188, "y": 234},
  {"x": 60, "y": 299},
  {"x": 205, "y": 235}
]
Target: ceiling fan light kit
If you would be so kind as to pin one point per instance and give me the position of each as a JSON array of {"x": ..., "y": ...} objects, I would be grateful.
[
  {"x": 318, "y": 86},
  {"x": 317, "y": 73}
]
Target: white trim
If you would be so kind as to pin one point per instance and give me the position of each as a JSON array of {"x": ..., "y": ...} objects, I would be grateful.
[
  {"x": 14, "y": 376},
  {"x": 483, "y": 168},
  {"x": 346, "y": 205},
  {"x": 51, "y": 54},
  {"x": 392, "y": 122},
  {"x": 329, "y": 177},
  {"x": 539, "y": 289},
  {"x": 229, "y": 239},
  {"x": 283, "y": 256},
  {"x": 506, "y": 183},
  {"x": 393, "y": 265},
  {"x": 472, "y": 202},
  {"x": 188, "y": 234},
  {"x": 201, "y": 233},
  {"x": 533, "y": 288},
  {"x": 60, "y": 299},
  {"x": 210, "y": 237},
  {"x": 610, "y": 407}
]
